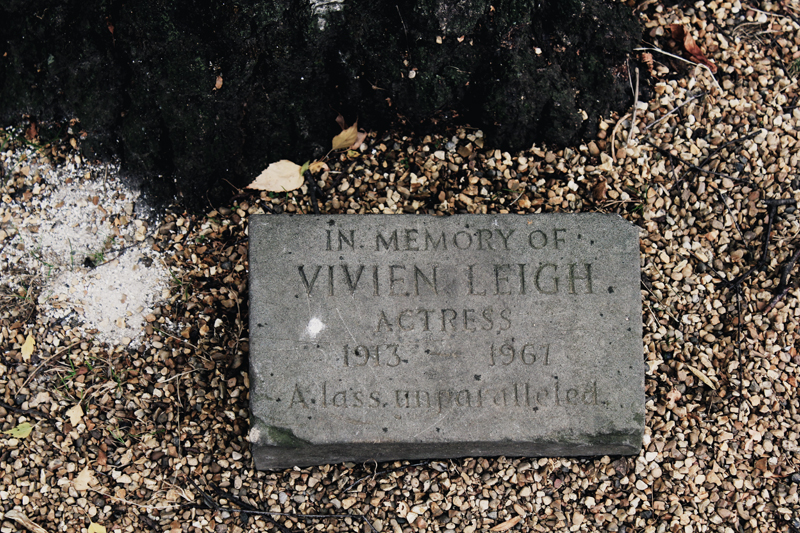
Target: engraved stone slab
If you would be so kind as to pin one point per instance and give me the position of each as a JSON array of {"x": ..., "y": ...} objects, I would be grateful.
[{"x": 403, "y": 337}]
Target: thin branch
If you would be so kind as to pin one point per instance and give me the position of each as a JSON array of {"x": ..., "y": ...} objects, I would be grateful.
[
  {"x": 660, "y": 51},
  {"x": 674, "y": 110}
]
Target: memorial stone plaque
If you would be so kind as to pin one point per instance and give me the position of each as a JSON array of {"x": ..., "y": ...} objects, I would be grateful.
[{"x": 403, "y": 337}]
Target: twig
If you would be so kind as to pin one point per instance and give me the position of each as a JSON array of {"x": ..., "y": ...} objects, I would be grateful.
[
  {"x": 27, "y": 412},
  {"x": 312, "y": 190},
  {"x": 784, "y": 287},
  {"x": 660, "y": 51},
  {"x": 674, "y": 110},
  {"x": 376, "y": 473},
  {"x": 635, "y": 107},
  {"x": 35, "y": 370},
  {"x": 210, "y": 503},
  {"x": 614, "y": 136}
]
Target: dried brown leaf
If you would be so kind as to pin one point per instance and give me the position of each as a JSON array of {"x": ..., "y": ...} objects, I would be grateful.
[
  {"x": 24, "y": 521},
  {"x": 280, "y": 176},
  {"x": 28, "y": 347},
  {"x": 75, "y": 414},
  {"x": 340, "y": 121},
  {"x": 680, "y": 35},
  {"x": 83, "y": 480},
  {"x": 702, "y": 377},
  {"x": 508, "y": 524},
  {"x": 359, "y": 139},
  {"x": 318, "y": 166},
  {"x": 599, "y": 191},
  {"x": 346, "y": 138}
]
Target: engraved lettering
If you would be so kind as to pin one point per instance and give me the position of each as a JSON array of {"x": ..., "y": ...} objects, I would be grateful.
[
  {"x": 339, "y": 399},
  {"x": 390, "y": 244},
  {"x": 505, "y": 237},
  {"x": 395, "y": 359},
  {"x": 488, "y": 233},
  {"x": 418, "y": 274},
  {"x": 571, "y": 395},
  {"x": 401, "y": 316},
  {"x": 297, "y": 397},
  {"x": 471, "y": 280},
  {"x": 435, "y": 244},
  {"x": 382, "y": 320},
  {"x": 498, "y": 279},
  {"x": 357, "y": 401},
  {"x": 556, "y": 238},
  {"x": 309, "y": 285},
  {"x": 395, "y": 280},
  {"x": 466, "y": 242},
  {"x": 426, "y": 313},
  {"x": 504, "y": 315},
  {"x": 449, "y": 315},
  {"x": 554, "y": 279},
  {"x": 537, "y": 239},
  {"x": 591, "y": 393},
  {"x": 487, "y": 316},
  {"x": 330, "y": 280},
  {"x": 350, "y": 283},
  {"x": 468, "y": 320},
  {"x": 587, "y": 278},
  {"x": 411, "y": 240},
  {"x": 463, "y": 398},
  {"x": 522, "y": 278},
  {"x": 375, "y": 398}
]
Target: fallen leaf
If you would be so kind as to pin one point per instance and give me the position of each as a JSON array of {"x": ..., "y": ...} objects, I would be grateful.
[
  {"x": 680, "y": 35},
  {"x": 218, "y": 83},
  {"x": 599, "y": 191},
  {"x": 318, "y": 166},
  {"x": 508, "y": 524},
  {"x": 96, "y": 528},
  {"x": 346, "y": 138},
  {"x": 27, "y": 348},
  {"x": 84, "y": 479},
  {"x": 280, "y": 176},
  {"x": 702, "y": 377},
  {"x": 75, "y": 414},
  {"x": 29, "y": 524},
  {"x": 21, "y": 431},
  {"x": 359, "y": 139},
  {"x": 340, "y": 121}
]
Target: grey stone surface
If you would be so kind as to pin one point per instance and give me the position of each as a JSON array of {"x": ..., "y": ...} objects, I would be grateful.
[{"x": 404, "y": 337}]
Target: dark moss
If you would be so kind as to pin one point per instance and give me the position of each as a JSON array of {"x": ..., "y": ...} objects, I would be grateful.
[{"x": 140, "y": 76}]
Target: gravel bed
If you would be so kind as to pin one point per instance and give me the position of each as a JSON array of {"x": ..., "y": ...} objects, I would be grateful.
[{"x": 147, "y": 430}]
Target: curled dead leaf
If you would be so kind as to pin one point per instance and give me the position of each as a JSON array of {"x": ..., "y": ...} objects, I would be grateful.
[
  {"x": 317, "y": 167},
  {"x": 346, "y": 138},
  {"x": 599, "y": 191},
  {"x": 24, "y": 521},
  {"x": 280, "y": 176},
  {"x": 83, "y": 480},
  {"x": 682, "y": 36},
  {"x": 702, "y": 377}
]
